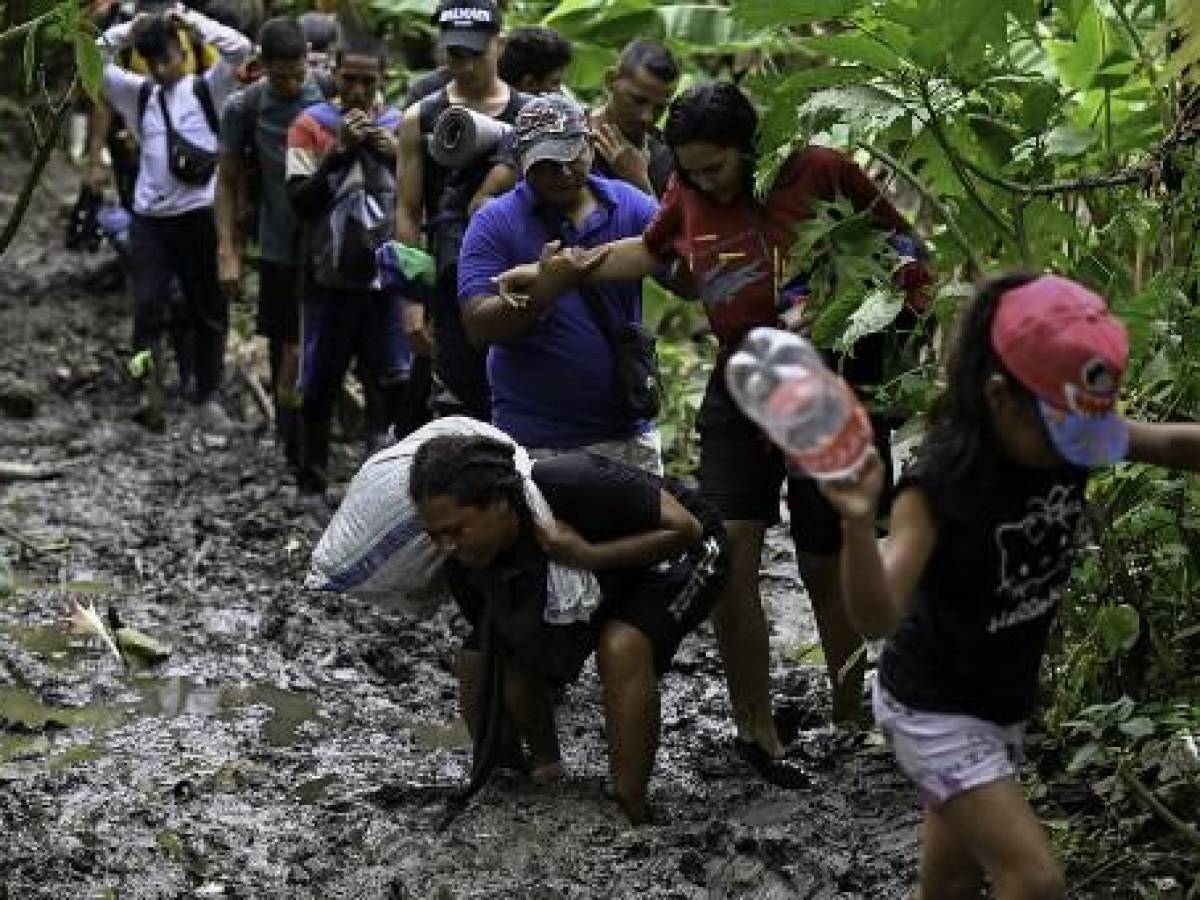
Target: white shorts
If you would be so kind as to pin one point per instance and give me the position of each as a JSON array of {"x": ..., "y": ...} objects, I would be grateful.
[
  {"x": 947, "y": 754},
  {"x": 643, "y": 451}
]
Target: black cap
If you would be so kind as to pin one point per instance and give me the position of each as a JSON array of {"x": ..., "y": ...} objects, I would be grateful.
[{"x": 467, "y": 23}]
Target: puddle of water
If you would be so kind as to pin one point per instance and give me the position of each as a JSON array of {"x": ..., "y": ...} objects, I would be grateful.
[
  {"x": 441, "y": 735},
  {"x": 21, "y": 708},
  {"x": 17, "y": 705},
  {"x": 51, "y": 642},
  {"x": 313, "y": 790},
  {"x": 172, "y": 697}
]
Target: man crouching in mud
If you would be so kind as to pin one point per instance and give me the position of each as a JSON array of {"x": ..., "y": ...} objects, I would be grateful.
[{"x": 657, "y": 553}]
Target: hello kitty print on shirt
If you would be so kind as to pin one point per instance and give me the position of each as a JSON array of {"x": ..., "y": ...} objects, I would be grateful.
[{"x": 1035, "y": 556}]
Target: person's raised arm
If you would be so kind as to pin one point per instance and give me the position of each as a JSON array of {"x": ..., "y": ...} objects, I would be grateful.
[
  {"x": 879, "y": 586},
  {"x": 677, "y": 531},
  {"x": 410, "y": 175},
  {"x": 1175, "y": 445},
  {"x": 233, "y": 47},
  {"x": 120, "y": 87},
  {"x": 628, "y": 259}
]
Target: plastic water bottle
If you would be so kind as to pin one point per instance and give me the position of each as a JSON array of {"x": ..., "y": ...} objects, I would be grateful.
[{"x": 780, "y": 382}]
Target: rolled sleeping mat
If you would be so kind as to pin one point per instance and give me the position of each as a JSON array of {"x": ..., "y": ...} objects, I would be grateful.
[{"x": 462, "y": 136}]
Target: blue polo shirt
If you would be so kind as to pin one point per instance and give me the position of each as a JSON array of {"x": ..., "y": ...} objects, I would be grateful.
[{"x": 554, "y": 387}]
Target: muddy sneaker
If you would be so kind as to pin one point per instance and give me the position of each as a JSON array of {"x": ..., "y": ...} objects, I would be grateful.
[
  {"x": 213, "y": 418},
  {"x": 775, "y": 771}
]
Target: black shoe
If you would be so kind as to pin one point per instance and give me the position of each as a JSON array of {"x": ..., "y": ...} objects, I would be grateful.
[{"x": 775, "y": 771}]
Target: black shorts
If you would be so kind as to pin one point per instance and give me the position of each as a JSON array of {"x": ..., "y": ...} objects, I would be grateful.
[
  {"x": 741, "y": 472},
  {"x": 278, "y": 301},
  {"x": 665, "y": 603}
]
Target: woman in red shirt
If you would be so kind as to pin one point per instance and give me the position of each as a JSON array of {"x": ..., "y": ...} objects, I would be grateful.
[{"x": 737, "y": 249}]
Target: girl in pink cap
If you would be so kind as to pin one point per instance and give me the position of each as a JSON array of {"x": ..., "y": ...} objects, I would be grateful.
[{"x": 981, "y": 545}]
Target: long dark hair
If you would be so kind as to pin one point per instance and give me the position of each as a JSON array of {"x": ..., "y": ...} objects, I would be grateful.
[
  {"x": 470, "y": 470},
  {"x": 961, "y": 444},
  {"x": 717, "y": 113}
]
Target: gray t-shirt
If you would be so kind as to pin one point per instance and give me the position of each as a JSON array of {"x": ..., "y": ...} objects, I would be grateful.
[{"x": 277, "y": 224}]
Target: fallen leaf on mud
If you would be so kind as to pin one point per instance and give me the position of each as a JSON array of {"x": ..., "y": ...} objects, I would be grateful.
[
  {"x": 84, "y": 620},
  {"x": 140, "y": 646}
]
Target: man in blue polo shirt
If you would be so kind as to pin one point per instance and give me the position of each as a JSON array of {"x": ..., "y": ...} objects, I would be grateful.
[{"x": 549, "y": 365}]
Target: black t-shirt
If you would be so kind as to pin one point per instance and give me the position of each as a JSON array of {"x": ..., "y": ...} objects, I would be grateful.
[
  {"x": 662, "y": 162},
  {"x": 429, "y": 83},
  {"x": 974, "y": 640},
  {"x": 447, "y": 192},
  {"x": 601, "y": 499}
]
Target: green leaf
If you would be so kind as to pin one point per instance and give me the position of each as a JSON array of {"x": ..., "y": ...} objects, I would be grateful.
[
  {"x": 792, "y": 12},
  {"x": 1140, "y": 727},
  {"x": 90, "y": 63},
  {"x": 609, "y": 22},
  {"x": 700, "y": 26},
  {"x": 7, "y": 582},
  {"x": 859, "y": 106},
  {"x": 1085, "y": 756},
  {"x": 1118, "y": 627},
  {"x": 855, "y": 47},
  {"x": 877, "y": 311},
  {"x": 1067, "y": 141},
  {"x": 588, "y": 64}
]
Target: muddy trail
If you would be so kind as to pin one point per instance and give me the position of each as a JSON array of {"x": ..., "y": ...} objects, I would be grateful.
[{"x": 303, "y": 745}]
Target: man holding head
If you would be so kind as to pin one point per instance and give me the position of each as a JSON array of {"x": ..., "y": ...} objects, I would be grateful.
[
  {"x": 173, "y": 116},
  {"x": 438, "y": 201},
  {"x": 629, "y": 145}
]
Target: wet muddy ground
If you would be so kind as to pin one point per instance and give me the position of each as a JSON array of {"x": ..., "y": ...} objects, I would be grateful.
[{"x": 302, "y": 745}]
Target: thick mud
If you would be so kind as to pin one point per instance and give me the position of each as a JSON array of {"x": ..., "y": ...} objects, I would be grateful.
[{"x": 302, "y": 745}]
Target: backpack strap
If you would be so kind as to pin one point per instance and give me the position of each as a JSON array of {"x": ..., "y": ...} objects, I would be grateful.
[
  {"x": 144, "y": 93},
  {"x": 204, "y": 95},
  {"x": 251, "y": 106}
]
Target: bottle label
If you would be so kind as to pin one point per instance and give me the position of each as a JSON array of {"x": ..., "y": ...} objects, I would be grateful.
[{"x": 844, "y": 450}]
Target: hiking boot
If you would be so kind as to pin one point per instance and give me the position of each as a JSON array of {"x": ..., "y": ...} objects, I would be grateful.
[{"x": 213, "y": 418}]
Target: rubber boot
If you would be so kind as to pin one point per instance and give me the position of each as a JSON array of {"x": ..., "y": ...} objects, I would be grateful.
[{"x": 150, "y": 413}]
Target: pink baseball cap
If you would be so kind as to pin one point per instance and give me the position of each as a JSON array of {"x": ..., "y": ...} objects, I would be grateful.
[{"x": 1060, "y": 341}]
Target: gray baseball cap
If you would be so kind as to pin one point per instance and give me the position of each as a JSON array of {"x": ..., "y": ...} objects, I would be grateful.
[{"x": 550, "y": 127}]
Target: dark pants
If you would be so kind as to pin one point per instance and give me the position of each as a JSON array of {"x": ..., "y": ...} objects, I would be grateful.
[
  {"x": 341, "y": 326},
  {"x": 460, "y": 368},
  {"x": 182, "y": 247}
]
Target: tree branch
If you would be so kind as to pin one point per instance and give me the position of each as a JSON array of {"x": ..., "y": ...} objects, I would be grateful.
[
  {"x": 952, "y": 155},
  {"x": 973, "y": 260},
  {"x": 1135, "y": 175},
  {"x": 58, "y": 115},
  {"x": 1146, "y": 796},
  {"x": 17, "y": 30}
]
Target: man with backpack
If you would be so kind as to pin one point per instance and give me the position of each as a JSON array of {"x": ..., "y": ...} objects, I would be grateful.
[
  {"x": 438, "y": 200},
  {"x": 174, "y": 233},
  {"x": 252, "y": 195},
  {"x": 340, "y": 171}
]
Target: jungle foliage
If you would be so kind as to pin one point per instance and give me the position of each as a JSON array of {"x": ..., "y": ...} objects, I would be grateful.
[{"x": 1025, "y": 134}]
